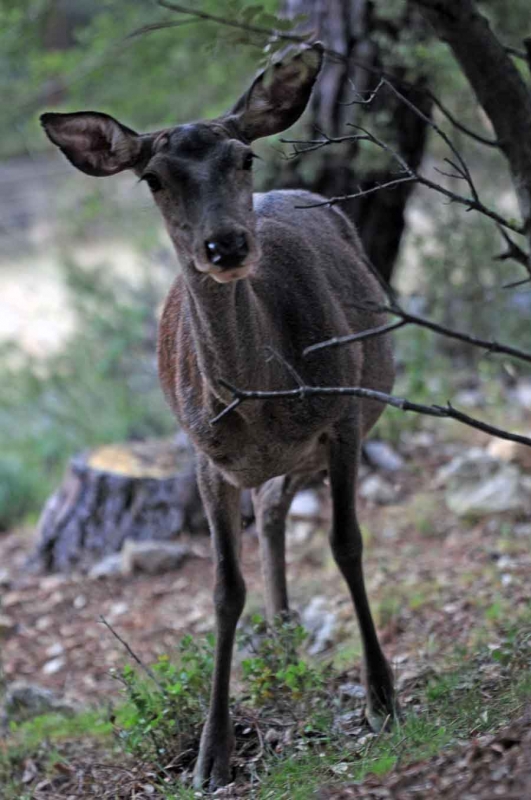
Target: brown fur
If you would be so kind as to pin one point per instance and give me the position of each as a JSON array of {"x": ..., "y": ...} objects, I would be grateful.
[{"x": 258, "y": 277}]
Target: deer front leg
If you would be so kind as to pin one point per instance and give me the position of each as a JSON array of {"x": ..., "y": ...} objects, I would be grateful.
[
  {"x": 347, "y": 548},
  {"x": 222, "y": 506}
]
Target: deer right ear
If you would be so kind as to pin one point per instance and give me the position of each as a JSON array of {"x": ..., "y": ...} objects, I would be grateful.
[{"x": 94, "y": 143}]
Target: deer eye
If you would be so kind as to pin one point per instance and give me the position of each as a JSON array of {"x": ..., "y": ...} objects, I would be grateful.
[
  {"x": 248, "y": 160},
  {"x": 153, "y": 181}
]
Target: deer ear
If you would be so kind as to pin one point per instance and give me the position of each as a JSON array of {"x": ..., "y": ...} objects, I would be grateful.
[
  {"x": 94, "y": 143},
  {"x": 279, "y": 95}
]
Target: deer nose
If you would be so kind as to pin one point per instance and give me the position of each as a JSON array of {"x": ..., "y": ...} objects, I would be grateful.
[{"x": 227, "y": 250}]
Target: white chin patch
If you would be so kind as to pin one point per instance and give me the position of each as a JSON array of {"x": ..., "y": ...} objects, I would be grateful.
[{"x": 229, "y": 275}]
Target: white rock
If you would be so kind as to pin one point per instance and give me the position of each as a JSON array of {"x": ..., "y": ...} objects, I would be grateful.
[
  {"x": 118, "y": 609},
  {"x": 305, "y": 504},
  {"x": 54, "y": 650},
  {"x": 152, "y": 557},
  {"x": 355, "y": 690},
  {"x": 469, "y": 398},
  {"x": 377, "y": 490},
  {"x": 504, "y": 450},
  {"x": 522, "y": 529},
  {"x": 522, "y": 394},
  {"x": 5, "y": 579},
  {"x": 24, "y": 700},
  {"x": 478, "y": 485},
  {"x": 382, "y": 456},
  {"x": 321, "y": 623},
  {"x": 53, "y": 666},
  {"x": 299, "y": 531},
  {"x": 110, "y": 565},
  {"x": 472, "y": 463}
]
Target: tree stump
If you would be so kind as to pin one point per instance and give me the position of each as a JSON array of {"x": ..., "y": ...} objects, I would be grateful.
[{"x": 140, "y": 491}]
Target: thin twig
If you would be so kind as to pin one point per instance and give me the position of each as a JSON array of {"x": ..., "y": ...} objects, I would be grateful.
[
  {"x": 289, "y": 367},
  {"x": 360, "y": 101},
  {"x": 447, "y": 411},
  {"x": 159, "y": 26},
  {"x": 149, "y": 672},
  {"x": 337, "y": 341},
  {"x": 459, "y": 165},
  {"x": 331, "y": 201},
  {"x": 515, "y": 284}
]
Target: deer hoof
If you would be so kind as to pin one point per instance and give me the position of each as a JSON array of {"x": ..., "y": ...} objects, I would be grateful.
[
  {"x": 212, "y": 770},
  {"x": 380, "y": 716}
]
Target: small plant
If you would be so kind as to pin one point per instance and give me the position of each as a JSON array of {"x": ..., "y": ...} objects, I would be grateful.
[
  {"x": 275, "y": 676},
  {"x": 165, "y": 710}
]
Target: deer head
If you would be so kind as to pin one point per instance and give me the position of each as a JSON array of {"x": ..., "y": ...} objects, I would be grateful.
[{"x": 200, "y": 174}]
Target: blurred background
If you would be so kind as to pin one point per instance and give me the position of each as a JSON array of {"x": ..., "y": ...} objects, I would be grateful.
[{"x": 84, "y": 263}]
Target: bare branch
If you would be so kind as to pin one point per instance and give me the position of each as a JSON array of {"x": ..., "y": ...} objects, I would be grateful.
[
  {"x": 472, "y": 203},
  {"x": 289, "y": 367},
  {"x": 447, "y": 411},
  {"x": 462, "y": 165},
  {"x": 271, "y": 33},
  {"x": 361, "y": 193},
  {"x": 159, "y": 26},
  {"x": 469, "y": 202},
  {"x": 459, "y": 125},
  {"x": 337, "y": 341},
  {"x": 302, "y": 146},
  {"x": 514, "y": 284},
  {"x": 412, "y": 319},
  {"x": 360, "y": 101},
  {"x": 514, "y": 252}
]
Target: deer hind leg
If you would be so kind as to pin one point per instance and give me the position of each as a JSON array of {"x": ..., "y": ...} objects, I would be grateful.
[
  {"x": 347, "y": 548},
  {"x": 271, "y": 504},
  {"x": 222, "y": 506}
]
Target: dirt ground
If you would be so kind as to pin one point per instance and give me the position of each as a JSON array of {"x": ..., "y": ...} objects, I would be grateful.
[{"x": 433, "y": 580}]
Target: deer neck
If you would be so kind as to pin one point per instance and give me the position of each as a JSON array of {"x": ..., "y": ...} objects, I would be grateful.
[{"x": 225, "y": 322}]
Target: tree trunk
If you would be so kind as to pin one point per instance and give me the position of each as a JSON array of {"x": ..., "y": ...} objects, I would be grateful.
[
  {"x": 351, "y": 27},
  {"x": 136, "y": 491}
]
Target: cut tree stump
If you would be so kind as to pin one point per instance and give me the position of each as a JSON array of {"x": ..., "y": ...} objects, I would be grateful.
[{"x": 140, "y": 491}]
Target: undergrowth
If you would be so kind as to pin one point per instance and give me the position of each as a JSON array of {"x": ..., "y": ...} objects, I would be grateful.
[{"x": 293, "y": 731}]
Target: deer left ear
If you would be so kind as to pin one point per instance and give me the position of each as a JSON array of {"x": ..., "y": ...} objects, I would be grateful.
[
  {"x": 279, "y": 95},
  {"x": 93, "y": 142}
]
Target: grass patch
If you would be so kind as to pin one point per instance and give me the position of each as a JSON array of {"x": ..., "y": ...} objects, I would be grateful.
[
  {"x": 56, "y": 728},
  {"x": 38, "y": 742}
]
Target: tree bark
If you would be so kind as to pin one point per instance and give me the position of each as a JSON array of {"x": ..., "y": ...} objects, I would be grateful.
[
  {"x": 139, "y": 491},
  {"x": 349, "y": 27}
]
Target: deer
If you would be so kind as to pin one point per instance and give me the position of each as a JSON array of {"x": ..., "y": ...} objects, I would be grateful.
[{"x": 256, "y": 271}]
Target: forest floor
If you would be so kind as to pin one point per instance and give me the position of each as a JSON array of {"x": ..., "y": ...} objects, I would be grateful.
[{"x": 452, "y": 606}]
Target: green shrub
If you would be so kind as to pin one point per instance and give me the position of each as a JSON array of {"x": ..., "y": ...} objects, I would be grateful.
[
  {"x": 164, "y": 712},
  {"x": 275, "y": 676}
]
